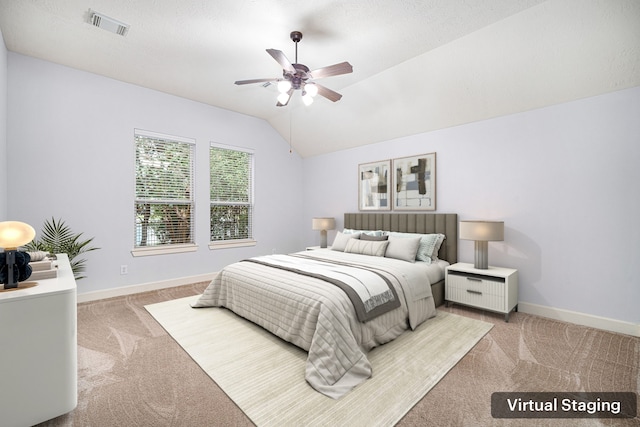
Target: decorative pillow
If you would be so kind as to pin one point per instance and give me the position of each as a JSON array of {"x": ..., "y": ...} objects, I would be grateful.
[
  {"x": 373, "y": 238},
  {"x": 366, "y": 247},
  {"x": 404, "y": 248},
  {"x": 436, "y": 248},
  {"x": 367, "y": 232},
  {"x": 341, "y": 240},
  {"x": 429, "y": 246}
]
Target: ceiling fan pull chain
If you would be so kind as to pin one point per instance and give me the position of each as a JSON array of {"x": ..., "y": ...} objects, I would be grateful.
[{"x": 290, "y": 134}]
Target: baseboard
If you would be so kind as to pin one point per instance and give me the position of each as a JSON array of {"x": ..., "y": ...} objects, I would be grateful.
[
  {"x": 583, "y": 319},
  {"x": 144, "y": 287}
]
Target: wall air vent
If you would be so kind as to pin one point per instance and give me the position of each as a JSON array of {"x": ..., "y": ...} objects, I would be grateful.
[{"x": 113, "y": 26}]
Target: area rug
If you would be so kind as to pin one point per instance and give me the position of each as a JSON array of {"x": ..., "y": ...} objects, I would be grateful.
[{"x": 264, "y": 375}]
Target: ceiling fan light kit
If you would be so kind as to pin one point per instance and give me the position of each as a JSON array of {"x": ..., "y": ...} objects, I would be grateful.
[
  {"x": 311, "y": 89},
  {"x": 283, "y": 98},
  {"x": 296, "y": 76},
  {"x": 306, "y": 98}
]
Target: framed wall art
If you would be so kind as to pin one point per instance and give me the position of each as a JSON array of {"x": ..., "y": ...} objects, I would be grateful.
[
  {"x": 374, "y": 186},
  {"x": 415, "y": 183}
]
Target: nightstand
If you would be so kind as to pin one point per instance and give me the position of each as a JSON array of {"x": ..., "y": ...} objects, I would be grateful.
[{"x": 493, "y": 289}]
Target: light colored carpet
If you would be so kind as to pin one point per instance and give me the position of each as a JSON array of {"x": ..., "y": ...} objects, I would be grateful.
[{"x": 264, "y": 375}]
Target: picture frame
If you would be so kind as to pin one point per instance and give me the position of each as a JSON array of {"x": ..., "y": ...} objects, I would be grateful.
[
  {"x": 415, "y": 183},
  {"x": 374, "y": 186}
]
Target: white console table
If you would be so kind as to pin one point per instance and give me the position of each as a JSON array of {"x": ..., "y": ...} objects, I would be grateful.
[{"x": 38, "y": 356}]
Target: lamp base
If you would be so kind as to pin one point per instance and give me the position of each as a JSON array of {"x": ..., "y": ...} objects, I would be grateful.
[
  {"x": 10, "y": 281},
  {"x": 481, "y": 256},
  {"x": 323, "y": 238},
  {"x": 14, "y": 268}
]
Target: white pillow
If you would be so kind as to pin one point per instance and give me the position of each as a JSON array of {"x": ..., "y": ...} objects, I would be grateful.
[
  {"x": 367, "y": 247},
  {"x": 341, "y": 240},
  {"x": 404, "y": 248},
  {"x": 429, "y": 244}
]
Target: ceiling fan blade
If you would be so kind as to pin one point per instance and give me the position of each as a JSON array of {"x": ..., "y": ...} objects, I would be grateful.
[
  {"x": 246, "y": 82},
  {"x": 328, "y": 93},
  {"x": 289, "y": 93},
  {"x": 331, "y": 70},
  {"x": 282, "y": 59}
]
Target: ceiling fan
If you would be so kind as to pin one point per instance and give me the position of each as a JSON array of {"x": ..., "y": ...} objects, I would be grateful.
[{"x": 298, "y": 77}]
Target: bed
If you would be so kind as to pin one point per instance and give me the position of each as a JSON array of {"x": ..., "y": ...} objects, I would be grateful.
[
  {"x": 338, "y": 303},
  {"x": 445, "y": 223}
]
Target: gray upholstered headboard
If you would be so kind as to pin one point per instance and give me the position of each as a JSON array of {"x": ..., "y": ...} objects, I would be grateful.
[{"x": 423, "y": 223}]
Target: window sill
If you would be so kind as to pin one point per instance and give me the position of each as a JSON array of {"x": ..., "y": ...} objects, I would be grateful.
[
  {"x": 163, "y": 250},
  {"x": 232, "y": 244}
]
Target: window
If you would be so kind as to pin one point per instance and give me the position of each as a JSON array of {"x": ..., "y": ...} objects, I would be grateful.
[
  {"x": 231, "y": 187},
  {"x": 164, "y": 201}
]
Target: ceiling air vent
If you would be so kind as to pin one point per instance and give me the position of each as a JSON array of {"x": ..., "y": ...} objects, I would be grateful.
[{"x": 112, "y": 25}]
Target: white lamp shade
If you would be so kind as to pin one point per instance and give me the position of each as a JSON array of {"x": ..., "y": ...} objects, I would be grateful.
[
  {"x": 284, "y": 86},
  {"x": 323, "y": 224},
  {"x": 311, "y": 89},
  {"x": 15, "y": 233},
  {"x": 484, "y": 231},
  {"x": 283, "y": 98},
  {"x": 307, "y": 99}
]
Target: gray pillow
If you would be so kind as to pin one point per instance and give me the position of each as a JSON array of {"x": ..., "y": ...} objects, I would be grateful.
[
  {"x": 373, "y": 238},
  {"x": 404, "y": 248}
]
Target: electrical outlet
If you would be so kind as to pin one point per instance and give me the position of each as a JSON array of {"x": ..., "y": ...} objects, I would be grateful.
[{"x": 124, "y": 269}]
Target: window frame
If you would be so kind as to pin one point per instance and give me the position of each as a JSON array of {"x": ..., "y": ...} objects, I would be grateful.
[
  {"x": 235, "y": 243},
  {"x": 172, "y": 247}
]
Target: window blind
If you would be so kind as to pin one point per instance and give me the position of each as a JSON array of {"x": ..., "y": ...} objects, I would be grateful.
[
  {"x": 231, "y": 192},
  {"x": 164, "y": 200}
]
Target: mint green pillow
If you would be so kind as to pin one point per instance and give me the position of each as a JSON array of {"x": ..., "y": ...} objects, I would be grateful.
[{"x": 367, "y": 232}]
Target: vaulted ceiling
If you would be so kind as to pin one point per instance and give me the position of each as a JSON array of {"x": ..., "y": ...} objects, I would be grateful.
[{"x": 419, "y": 65}]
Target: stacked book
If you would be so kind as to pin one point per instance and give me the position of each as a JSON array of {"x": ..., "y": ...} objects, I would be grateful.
[{"x": 44, "y": 269}]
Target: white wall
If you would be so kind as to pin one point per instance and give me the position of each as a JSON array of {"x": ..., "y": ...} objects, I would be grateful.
[
  {"x": 71, "y": 152},
  {"x": 3, "y": 129},
  {"x": 565, "y": 179}
]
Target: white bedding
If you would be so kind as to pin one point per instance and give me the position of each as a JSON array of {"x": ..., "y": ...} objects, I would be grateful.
[
  {"x": 319, "y": 318},
  {"x": 436, "y": 270}
]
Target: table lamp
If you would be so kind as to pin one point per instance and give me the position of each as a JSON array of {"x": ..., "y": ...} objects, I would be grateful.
[
  {"x": 482, "y": 232},
  {"x": 13, "y": 234},
  {"x": 323, "y": 224}
]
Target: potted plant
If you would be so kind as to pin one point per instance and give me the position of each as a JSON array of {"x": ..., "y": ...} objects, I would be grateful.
[{"x": 57, "y": 237}]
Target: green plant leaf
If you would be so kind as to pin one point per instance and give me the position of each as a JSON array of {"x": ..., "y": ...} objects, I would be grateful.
[{"x": 58, "y": 238}]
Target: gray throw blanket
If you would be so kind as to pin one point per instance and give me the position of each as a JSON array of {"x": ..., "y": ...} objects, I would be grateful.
[{"x": 370, "y": 292}]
